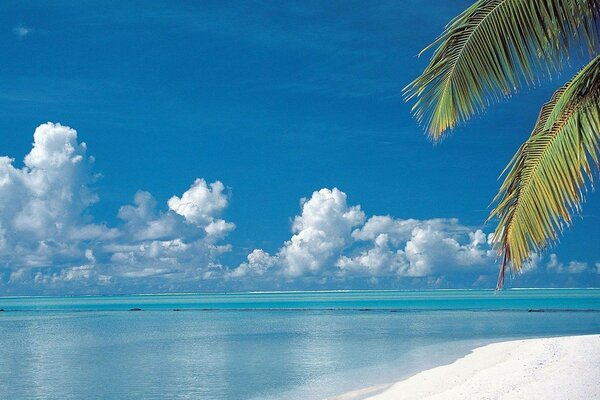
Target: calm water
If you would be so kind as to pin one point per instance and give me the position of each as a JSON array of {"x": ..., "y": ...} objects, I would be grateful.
[{"x": 305, "y": 345}]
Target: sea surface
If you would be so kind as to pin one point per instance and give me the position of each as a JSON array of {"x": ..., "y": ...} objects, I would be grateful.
[{"x": 279, "y": 345}]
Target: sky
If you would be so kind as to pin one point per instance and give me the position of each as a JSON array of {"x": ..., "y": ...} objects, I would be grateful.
[{"x": 229, "y": 146}]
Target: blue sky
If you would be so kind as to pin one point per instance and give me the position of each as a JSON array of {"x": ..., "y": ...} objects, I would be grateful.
[{"x": 270, "y": 103}]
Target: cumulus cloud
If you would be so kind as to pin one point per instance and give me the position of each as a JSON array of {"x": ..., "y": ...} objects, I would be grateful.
[
  {"x": 573, "y": 267},
  {"x": 332, "y": 238},
  {"x": 42, "y": 212},
  {"x": 176, "y": 242},
  {"x": 200, "y": 202},
  {"x": 48, "y": 238},
  {"x": 320, "y": 232},
  {"x": 258, "y": 263},
  {"x": 333, "y": 243},
  {"x": 49, "y": 242},
  {"x": 416, "y": 248}
]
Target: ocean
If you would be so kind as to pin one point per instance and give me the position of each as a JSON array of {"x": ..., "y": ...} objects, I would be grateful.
[{"x": 277, "y": 345}]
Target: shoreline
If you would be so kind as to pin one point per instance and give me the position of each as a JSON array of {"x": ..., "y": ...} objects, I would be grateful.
[{"x": 541, "y": 368}]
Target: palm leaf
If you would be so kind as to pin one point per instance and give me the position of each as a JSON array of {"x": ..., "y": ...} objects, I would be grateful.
[
  {"x": 550, "y": 171},
  {"x": 493, "y": 48}
]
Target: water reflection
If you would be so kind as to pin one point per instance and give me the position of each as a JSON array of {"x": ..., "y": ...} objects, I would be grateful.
[{"x": 241, "y": 355}]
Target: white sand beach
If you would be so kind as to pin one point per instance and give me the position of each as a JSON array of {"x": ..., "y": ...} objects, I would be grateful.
[{"x": 546, "y": 368}]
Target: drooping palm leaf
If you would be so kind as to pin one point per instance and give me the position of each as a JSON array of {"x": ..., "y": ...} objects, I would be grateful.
[
  {"x": 548, "y": 174},
  {"x": 493, "y": 48}
]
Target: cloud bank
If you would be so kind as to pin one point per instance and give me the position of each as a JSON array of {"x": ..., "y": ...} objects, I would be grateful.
[
  {"x": 335, "y": 241},
  {"x": 49, "y": 242},
  {"x": 335, "y": 245}
]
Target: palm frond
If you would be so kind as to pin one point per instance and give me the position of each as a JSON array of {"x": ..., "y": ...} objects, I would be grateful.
[
  {"x": 549, "y": 173},
  {"x": 493, "y": 48}
]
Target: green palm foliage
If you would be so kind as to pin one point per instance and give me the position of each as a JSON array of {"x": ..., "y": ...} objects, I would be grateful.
[
  {"x": 486, "y": 54},
  {"x": 548, "y": 174},
  {"x": 493, "y": 48}
]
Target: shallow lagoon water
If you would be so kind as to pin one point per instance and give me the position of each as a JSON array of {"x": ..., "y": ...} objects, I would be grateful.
[{"x": 305, "y": 345}]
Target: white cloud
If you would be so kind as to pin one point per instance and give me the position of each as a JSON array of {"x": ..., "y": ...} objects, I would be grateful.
[
  {"x": 44, "y": 224},
  {"x": 199, "y": 205},
  {"x": 398, "y": 230},
  {"x": 43, "y": 202},
  {"x": 319, "y": 233},
  {"x": 18, "y": 275},
  {"x": 331, "y": 238},
  {"x": 379, "y": 260},
  {"x": 176, "y": 241},
  {"x": 415, "y": 248},
  {"x": 577, "y": 267},
  {"x": 258, "y": 263},
  {"x": 48, "y": 240},
  {"x": 21, "y": 31},
  {"x": 144, "y": 222},
  {"x": 332, "y": 242},
  {"x": 573, "y": 267}
]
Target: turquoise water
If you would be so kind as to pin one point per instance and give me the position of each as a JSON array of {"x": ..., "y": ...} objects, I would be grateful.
[{"x": 304, "y": 345}]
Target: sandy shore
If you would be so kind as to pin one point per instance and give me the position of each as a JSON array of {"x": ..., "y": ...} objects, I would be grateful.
[{"x": 565, "y": 368}]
